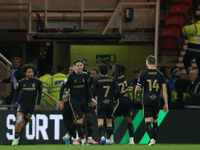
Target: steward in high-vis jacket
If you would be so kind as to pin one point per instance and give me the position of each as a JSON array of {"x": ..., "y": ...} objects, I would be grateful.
[
  {"x": 193, "y": 50},
  {"x": 55, "y": 82},
  {"x": 48, "y": 73}
]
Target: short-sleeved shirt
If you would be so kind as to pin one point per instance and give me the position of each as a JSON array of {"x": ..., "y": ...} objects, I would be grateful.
[
  {"x": 151, "y": 82},
  {"x": 105, "y": 88}
]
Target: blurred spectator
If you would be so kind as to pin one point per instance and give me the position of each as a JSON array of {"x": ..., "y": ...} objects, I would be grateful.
[
  {"x": 48, "y": 72},
  {"x": 194, "y": 86},
  {"x": 176, "y": 74},
  {"x": 193, "y": 97},
  {"x": 193, "y": 50},
  {"x": 131, "y": 89},
  {"x": 36, "y": 73},
  {"x": 137, "y": 73},
  {"x": 95, "y": 73},
  {"x": 55, "y": 82},
  {"x": 71, "y": 69},
  {"x": 178, "y": 88},
  {"x": 85, "y": 64},
  {"x": 15, "y": 77},
  {"x": 164, "y": 70}
]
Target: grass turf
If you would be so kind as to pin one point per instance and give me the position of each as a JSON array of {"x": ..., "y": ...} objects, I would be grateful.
[{"x": 104, "y": 147}]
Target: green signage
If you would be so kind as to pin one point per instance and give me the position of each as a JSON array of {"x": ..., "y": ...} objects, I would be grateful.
[{"x": 108, "y": 58}]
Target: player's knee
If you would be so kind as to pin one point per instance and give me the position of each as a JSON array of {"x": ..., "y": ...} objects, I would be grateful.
[
  {"x": 109, "y": 125},
  {"x": 80, "y": 121},
  {"x": 23, "y": 125},
  {"x": 155, "y": 120},
  {"x": 19, "y": 119}
]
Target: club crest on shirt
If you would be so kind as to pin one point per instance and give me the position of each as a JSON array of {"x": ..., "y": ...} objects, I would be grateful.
[
  {"x": 24, "y": 85},
  {"x": 33, "y": 85},
  {"x": 75, "y": 81},
  {"x": 83, "y": 81}
]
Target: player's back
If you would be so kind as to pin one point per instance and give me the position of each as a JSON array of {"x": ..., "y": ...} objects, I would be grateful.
[
  {"x": 151, "y": 81},
  {"x": 123, "y": 87},
  {"x": 104, "y": 88}
]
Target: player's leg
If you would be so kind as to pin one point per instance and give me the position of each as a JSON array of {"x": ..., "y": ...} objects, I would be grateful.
[
  {"x": 80, "y": 128},
  {"x": 130, "y": 129},
  {"x": 116, "y": 112},
  {"x": 77, "y": 114},
  {"x": 109, "y": 130},
  {"x": 101, "y": 130},
  {"x": 18, "y": 126},
  {"x": 148, "y": 118},
  {"x": 155, "y": 125},
  {"x": 100, "y": 120},
  {"x": 127, "y": 113},
  {"x": 109, "y": 120},
  {"x": 89, "y": 123}
]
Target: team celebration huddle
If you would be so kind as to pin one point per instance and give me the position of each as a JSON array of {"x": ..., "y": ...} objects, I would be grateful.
[{"x": 81, "y": 94}]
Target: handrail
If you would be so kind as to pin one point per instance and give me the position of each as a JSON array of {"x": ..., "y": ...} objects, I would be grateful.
[
  {"x": 6, "y": 60},
  {"x": 55, "y": 100},
  {"x": 47, "y": 94},
  {"x": 118, "y": 9}
]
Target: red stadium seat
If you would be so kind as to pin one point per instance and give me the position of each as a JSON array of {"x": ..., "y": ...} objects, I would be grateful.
[
  {"x": 179, "y": 11},
  {"x": 40, "y": 25},
  {"x": 186, "y": 3},
  {"x": 174, "y": 22},
  {"x": 169, "y": 39}
]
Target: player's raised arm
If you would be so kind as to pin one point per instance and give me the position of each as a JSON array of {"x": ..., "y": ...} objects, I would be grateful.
[{"x": 105, "y": 62}]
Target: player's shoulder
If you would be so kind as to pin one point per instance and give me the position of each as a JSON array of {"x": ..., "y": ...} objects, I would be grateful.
[
  {"x": 37, "y": 79},
  {"x": 160, "y": 72},
  {"x": 84, "y": 72},
  {"x": 21, "y": 80}
]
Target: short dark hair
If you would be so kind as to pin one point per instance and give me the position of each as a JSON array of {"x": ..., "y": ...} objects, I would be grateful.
[
  {"x": 103, "y": 68},
  {"x": 151, "y": 59},
  {"x": 197, "y": 17},
  {"x": 48, "y": 69},
  {"x": 120, "y": 68},
  {"x": 97, "y": 71},
  {"x": 85, "y": 59},
  {"x": 60, "y": 68},
  {"x": 17, "y": 58},
  {"x": 26, "y": 67},
  {"x": 78, "y": 60}
]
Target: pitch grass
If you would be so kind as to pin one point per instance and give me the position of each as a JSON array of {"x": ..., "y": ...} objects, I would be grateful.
[{"x": 104, "y": 147}]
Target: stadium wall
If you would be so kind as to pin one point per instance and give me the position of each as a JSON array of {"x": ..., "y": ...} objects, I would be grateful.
[
  {"x": 131, "y": 56},
  {"x": 46, "y": 127}
]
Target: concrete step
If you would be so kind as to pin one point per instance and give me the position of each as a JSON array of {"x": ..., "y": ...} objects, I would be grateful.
[
  {"x": 181, "y": 59},
  {"x": 183, "y": 71},
  {"x": 186, "y": 41},
  {"x": 185, "y": 46},
  {"x": 170, "y": 65},
  {"x": 182, "y": 53},
  {"x": 180, "y": 65}
]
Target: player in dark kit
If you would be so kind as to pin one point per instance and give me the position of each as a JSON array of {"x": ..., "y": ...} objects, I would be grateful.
[
  {"x": 104, "y": 88},
  {"x": 30, "y": 89},
  {"x": 88, "y": 113},
  {"x": 78, "y": 90},
  {"x": 151, "y": 81},
  {"x": 124, "y": 104}
]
